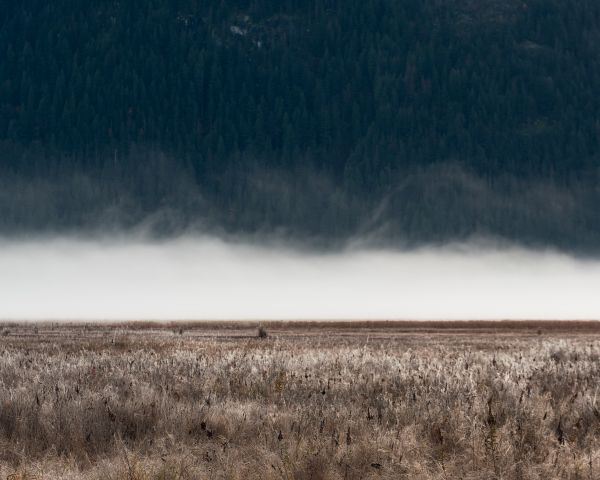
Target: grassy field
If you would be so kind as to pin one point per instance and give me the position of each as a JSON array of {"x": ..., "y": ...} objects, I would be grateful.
[{"x": 381, "y": 400}]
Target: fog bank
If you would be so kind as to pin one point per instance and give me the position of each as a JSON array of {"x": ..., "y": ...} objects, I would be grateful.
[{"x": 205, "y": 278}]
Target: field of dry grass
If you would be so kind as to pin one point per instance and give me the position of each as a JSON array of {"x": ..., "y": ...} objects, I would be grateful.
[{"x": 309, "y": 401}]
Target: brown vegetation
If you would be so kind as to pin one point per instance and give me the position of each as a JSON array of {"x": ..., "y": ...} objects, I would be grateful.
[{"x": 308, "y": 401}]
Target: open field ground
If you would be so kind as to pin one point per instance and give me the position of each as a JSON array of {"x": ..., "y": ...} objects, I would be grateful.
[{"x": 374, "y": 400}]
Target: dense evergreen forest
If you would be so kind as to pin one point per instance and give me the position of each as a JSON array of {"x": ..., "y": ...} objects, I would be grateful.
[{"x": 407, "y": 121}]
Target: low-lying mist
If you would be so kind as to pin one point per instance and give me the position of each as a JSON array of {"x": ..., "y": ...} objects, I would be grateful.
[{"x": 207, "y": 278}]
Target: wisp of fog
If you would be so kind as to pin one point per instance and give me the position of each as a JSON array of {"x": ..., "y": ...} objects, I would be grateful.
[{"x": 206, "y": 278}]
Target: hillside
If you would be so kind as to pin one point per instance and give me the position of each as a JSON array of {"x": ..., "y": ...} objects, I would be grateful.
[{"x": 409, "y": 121}]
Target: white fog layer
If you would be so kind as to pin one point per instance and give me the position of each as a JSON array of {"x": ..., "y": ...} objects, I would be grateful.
[{"x": 209, "y": 279}]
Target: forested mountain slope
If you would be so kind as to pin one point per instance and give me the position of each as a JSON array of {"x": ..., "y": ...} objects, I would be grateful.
[{"x": 411, "y": 120}]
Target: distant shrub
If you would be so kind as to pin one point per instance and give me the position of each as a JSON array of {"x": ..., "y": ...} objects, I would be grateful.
[{"x": 262, "y": 332}]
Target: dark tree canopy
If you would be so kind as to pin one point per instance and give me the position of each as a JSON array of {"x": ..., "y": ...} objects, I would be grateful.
[{"x": 422, "y": 120}]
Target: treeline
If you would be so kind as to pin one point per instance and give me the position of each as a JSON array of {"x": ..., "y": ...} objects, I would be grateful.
[{"x": 342, "y": 102}]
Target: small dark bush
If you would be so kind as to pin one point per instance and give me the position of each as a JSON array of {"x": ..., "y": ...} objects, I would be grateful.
[{"x": 262, "y": 332}]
